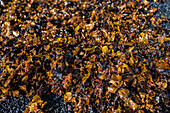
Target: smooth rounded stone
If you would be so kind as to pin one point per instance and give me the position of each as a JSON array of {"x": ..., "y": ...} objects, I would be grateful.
[{"x": 57, "y": 104}]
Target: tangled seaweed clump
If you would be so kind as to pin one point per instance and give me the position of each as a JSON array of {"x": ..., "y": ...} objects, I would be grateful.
[{"x": 103, "y": 56}]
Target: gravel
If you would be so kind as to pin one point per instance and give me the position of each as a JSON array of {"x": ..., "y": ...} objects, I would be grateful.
[
  {"x": 14, "y": 105},
  {"x": 55, "y": 104}
]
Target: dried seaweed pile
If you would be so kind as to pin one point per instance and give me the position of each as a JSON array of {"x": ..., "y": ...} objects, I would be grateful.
[{"x": 103, "y": 56}]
